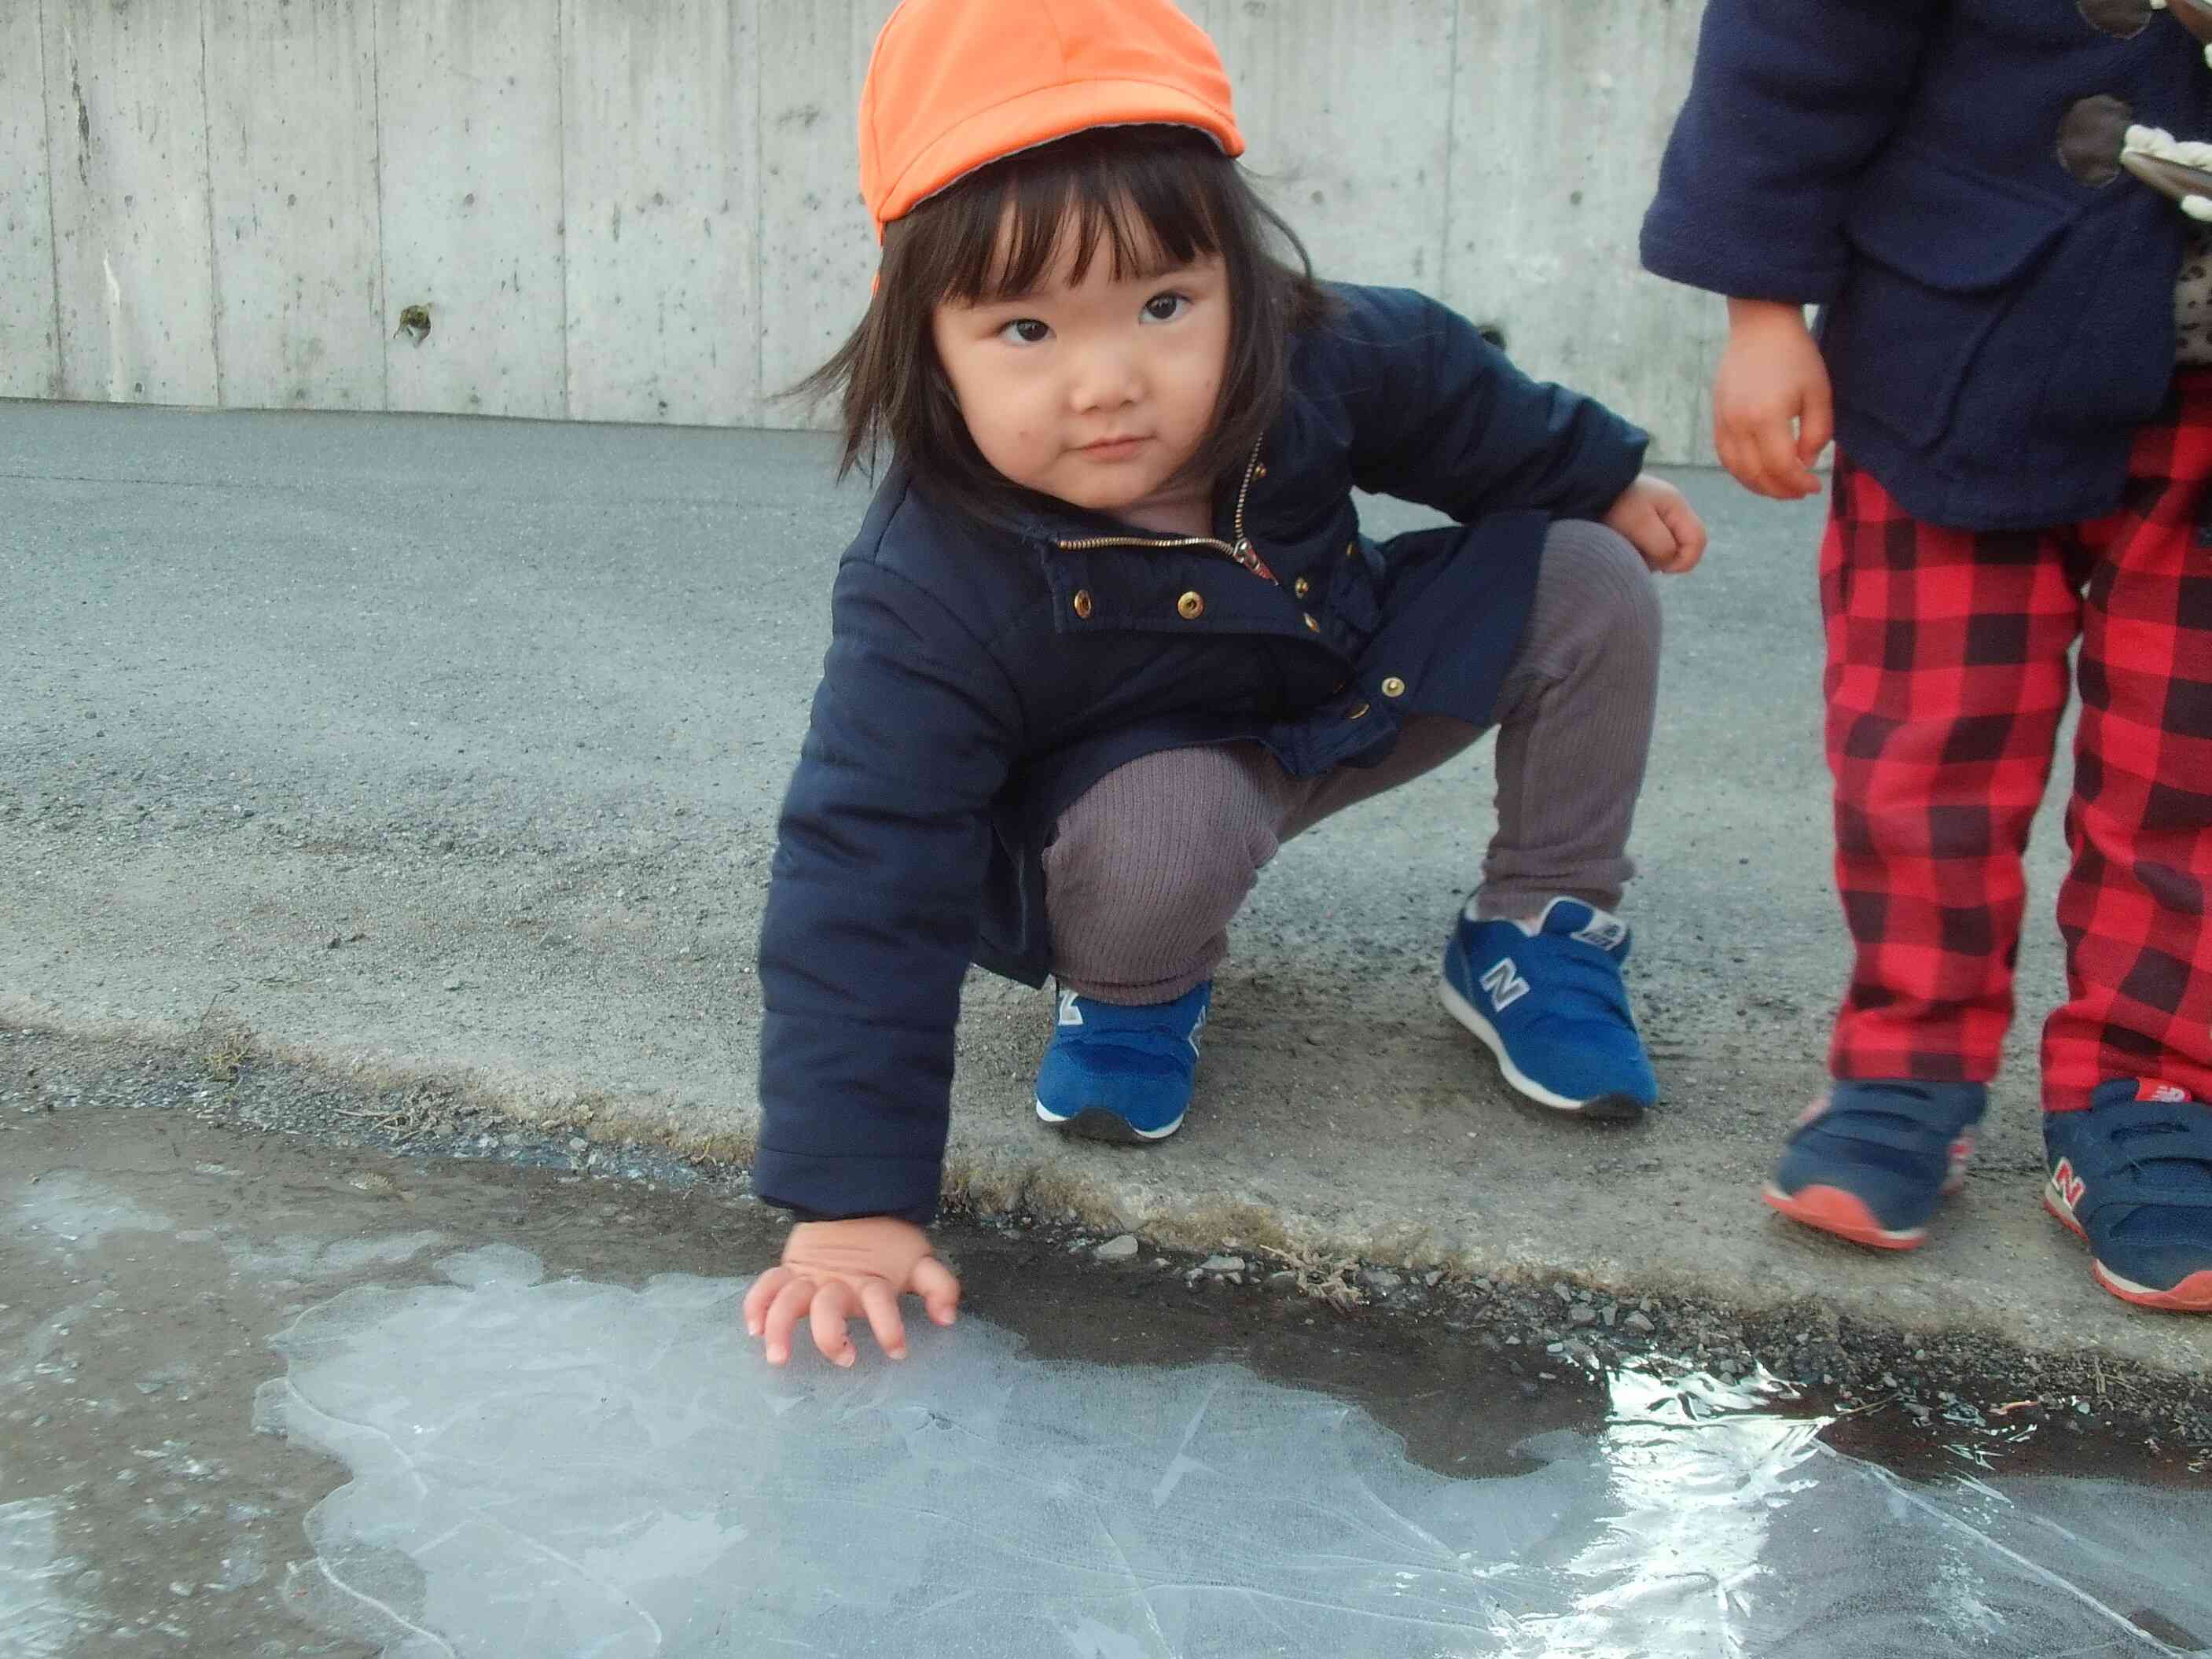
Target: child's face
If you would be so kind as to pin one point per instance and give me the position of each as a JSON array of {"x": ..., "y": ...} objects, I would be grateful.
[{"x": 1096, "y": 391}]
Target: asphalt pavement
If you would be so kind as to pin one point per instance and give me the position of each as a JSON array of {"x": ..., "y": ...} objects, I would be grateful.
[{"x": 438, "y": 749}]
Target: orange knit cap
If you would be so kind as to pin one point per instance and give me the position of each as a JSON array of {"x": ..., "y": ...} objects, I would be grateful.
[{"x": 957, "y": 84}]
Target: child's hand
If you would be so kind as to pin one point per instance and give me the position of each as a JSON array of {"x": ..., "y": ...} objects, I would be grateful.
[
  {"x": 1660, "y": 523},
  {"x": 1772, "y": 412},
  {"x": 834, "y": 1270}
]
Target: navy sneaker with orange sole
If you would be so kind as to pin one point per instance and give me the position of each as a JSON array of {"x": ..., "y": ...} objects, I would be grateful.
[
  {"x": 1870, "y": 1160},
  {"x": 2132, "y": 1175}
]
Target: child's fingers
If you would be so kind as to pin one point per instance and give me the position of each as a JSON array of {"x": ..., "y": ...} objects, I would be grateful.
[
  {"x": 762, "y": 1292},
  {"x": 1777, "y": 456},
  {"x": 786, "y": 1311},
  {"x": 834, "y": 1303},
  {"x": 1689, "y": 531},
  {"x": 1638, "y": 523},
  {"x": 1742, "y": 454},
  {"x": 1654, "y": 539},
  {"x": 880, "y": 1303},
  {"x": 938, "y": 1290},
  {"x": 1738, "y": 424},
  {"x": 1816, "y": 425},
  {"x": 1733, "y": 460}
]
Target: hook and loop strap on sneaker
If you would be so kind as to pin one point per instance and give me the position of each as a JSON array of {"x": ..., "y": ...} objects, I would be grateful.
[
  {"x": 2122, "y": 1156},
  {"x": 1921, "y": 1118},
  {"x": 1891, "y": 1145},
  {"x": 1121, "y": 1072}
]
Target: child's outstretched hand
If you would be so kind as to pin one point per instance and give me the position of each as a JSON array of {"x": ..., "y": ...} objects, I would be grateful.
[
  {"x": 835, "y": 1270},
  {"x": 1659, "y": 522},
  {"x": 1772, "y": 410}
]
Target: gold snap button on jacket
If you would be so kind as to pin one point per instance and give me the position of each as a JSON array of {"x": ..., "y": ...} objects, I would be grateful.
[
  {"x": 1312, "y": 627},
  {"x": 1190, "y": 607},
  {"x": 1393, "y": 687},
  {"x": 1302, "y": 588},
  {"x": 1083, "y": 603}
]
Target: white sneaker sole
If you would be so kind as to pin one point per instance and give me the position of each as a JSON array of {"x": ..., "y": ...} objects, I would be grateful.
[
  {"x": 1096, "y": 1123},
  {"x": 1607, "y": 1107}
]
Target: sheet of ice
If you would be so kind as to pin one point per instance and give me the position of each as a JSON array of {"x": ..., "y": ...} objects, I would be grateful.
[
  {"x": 72, "y": 1211},
  {"x": 68, "y": 1211},
  {"x": 295, "y": 1256},
  {"x": 556, "y": 1467},
  {"x": 39, "y": 1617}
]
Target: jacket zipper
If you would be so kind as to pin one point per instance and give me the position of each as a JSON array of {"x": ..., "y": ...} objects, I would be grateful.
[{"x": 1240, "y": 550}]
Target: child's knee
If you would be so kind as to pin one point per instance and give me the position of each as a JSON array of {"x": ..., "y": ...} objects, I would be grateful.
[
  {"x": 1593, "y": 581},
  {"x": 1178, "y": 834}
]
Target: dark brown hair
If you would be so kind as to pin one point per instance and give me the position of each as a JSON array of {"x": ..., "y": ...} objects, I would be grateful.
[{"x": 1150, "y": 196}]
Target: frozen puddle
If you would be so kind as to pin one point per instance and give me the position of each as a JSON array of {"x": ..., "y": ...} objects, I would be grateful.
[
  {"x": 556, "y": 1467},
  {"x": 38, "y": 1616}
]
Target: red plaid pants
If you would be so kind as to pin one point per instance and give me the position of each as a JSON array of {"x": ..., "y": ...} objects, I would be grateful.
[{"x": 1947, "y": 678}]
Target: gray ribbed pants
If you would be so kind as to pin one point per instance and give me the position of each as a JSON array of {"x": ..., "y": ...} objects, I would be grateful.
[{"x": 1148, "y": 868}]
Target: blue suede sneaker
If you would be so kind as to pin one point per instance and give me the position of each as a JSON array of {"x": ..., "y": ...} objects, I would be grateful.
[
  {"x": 1121, "y": 1074},
  {"x": 2133, "y": 1176},
  {"x": 1871, "y": 1159},
  {"x": 1549, "y": 1004}
]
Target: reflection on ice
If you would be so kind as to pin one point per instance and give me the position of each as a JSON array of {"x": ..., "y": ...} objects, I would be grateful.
[
  {"x": 1696, "y": 1471},
  {"x": 556, "y": 1467}
]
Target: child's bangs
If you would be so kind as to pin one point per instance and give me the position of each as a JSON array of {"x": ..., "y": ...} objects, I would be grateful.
[
  {"x": 1151, "y": 199},
  {"x": 1147, "y": 212}
]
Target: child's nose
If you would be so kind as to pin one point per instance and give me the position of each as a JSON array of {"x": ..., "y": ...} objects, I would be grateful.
[{"x": 1105, "y": 378}]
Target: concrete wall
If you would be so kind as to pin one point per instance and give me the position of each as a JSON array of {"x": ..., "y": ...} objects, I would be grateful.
[{"x": 646, "y": 209}]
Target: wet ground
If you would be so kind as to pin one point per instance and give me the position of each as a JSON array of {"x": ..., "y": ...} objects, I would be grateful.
[{"x": 269, "y": 1389}]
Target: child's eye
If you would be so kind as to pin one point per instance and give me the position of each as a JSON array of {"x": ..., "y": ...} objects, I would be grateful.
[
  {"x": 1025, "y": 330},
  {"x": 1165, "y": 308}
]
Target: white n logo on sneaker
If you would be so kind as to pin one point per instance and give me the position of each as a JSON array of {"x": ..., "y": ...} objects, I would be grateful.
[
  {"x": 1504, "y": 984},
  {"x": 1604, "y": 931},
  {"x": 1069, "y": 1013}
]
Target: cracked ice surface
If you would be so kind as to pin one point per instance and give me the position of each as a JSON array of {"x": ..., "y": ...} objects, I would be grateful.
[{"x": 564, "y": 1467}]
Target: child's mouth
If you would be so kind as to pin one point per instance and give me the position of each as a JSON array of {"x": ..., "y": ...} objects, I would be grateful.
[{"x": 1113, "y": 449}]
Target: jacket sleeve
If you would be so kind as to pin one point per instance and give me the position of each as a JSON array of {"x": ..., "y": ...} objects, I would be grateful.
[
  {"x": 874, "y": 904},
  {"x": 1439, "y": 416},
  {"x": 1790, "y": 100}
]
